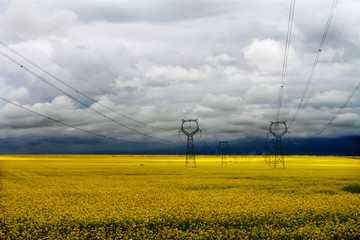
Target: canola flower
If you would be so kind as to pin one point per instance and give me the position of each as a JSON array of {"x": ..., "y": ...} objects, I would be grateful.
[{"x": 156, "y": 197}]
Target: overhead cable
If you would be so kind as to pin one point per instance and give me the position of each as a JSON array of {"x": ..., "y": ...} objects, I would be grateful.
[
  {"x": 72, "y": 73},
  {"x": 341, "y": 108},
  {"x": 352, "y": 94},
  {"x": 64, "y": 35},
  {"x": 76, "y": 90},
  {"x": 77, "y": 100},
  {"x": 65, "y": 124},
  {"x": 337, "y": 40},
  {"x": 206, "y": 145},
  {"x": 286, "y": 56},
  {"x": 323, "y": 38}
]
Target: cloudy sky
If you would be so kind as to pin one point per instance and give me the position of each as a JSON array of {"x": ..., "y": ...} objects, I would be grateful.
[{"x": 124, "y": 73}]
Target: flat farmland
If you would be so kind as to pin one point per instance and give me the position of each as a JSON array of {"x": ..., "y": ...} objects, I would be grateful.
[{"x": 157, "y": 197}]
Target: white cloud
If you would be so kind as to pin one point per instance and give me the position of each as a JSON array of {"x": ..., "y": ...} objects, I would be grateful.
[
  {"x": 165, "y": 75},
  {"x": 165, "y": 60},
  {"x": 19, "y": 93},
  {"x": 329, "y": 97},
  {"x": 262, "y": 93},
  {"x": 268, "y": 56},
  {"x": 223, "y": 103},
  {"x": 62, "y": 103},
  {"x": 265, "y": 55},
  {"x": 221, "y": 59},
  {"x": 128, "y": 87},
  {"x": 346, "y": 120},
  {"x": 41, "y": 48},
  {"x": 31, "y": 20}
]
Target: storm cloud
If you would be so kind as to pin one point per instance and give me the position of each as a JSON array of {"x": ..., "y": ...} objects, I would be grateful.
[{"x": 132, "y": 70}]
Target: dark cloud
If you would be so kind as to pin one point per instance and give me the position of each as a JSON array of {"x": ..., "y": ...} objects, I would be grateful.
[{"x": 156, "y": 62}]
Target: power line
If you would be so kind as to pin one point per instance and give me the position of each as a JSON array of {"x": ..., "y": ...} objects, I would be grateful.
[
  {"x": 65, "y": 124},
  {"x": 205, "y": 144},
  {"x": 72, "y": 73},
  {"x": 302, "y": 143},
  {"x": 352, "y": 94},
  {"x": 13, "y": 34},
  {"x": 64, "y": 35},
  {"x": 77, "y": 100},
  {"x": 286, "y": 56},
  {"x": 341, "y": 108},
  {"x": 76, "y": 90},
  {"x": 277, "y": 148},
  {"x": 336, "y": 41},
  {"x": 328, "y": 23}
]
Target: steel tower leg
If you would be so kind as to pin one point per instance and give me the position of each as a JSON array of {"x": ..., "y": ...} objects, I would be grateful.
[{"x": 190, "y": 151}]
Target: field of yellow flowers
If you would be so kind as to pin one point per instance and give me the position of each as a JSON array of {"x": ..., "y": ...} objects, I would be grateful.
[{"x": 156, "y": 197}]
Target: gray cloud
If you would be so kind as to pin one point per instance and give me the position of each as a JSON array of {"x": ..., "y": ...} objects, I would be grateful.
[
  {"x": 153, "y": 10},
  {"x": 223, "y": 103},
  {"x": 33, "y": 25},
  {"x": 163, "y": 61}
]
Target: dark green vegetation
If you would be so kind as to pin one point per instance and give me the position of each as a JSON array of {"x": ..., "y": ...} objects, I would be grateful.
[{"x": 353, "y": 188}]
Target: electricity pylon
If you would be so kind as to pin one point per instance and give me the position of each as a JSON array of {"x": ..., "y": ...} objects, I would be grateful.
[
  {"x": 190, "y": 150},
  {"x": 223, "y": 147},
  {"x": 269, "y": 150},
  {"x": 276, "y": 148}
]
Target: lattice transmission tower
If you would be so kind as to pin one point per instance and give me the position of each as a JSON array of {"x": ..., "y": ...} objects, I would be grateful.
[
  {"x": 276, "y": 154},
  {"x": 189, "y": 132},
  {"x": 223, "y": 147},
  {"x": 269, "y": 149}
]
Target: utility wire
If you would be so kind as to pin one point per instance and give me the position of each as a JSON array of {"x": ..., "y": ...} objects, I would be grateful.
[
  {"x": 341, "y": 108},
  {"x": 181, "y": 140},
  {"x": 93, "y": 58},
  {"x": 65, "y": 124},
  {"x": 76, "y": 90},
  {"x": 286, "y": 56},
  {"x": 302, "y": 143},
  {"x": 72, "y": 73},
  {"x": 75, "y": 99},
  {"x": 79, "y": 77},
  {"x": 333, "y": 118},
  {"x": 13, "y": 34},
  {"x": 323, "y": 38},
  {"x": 328, "y": 60},
  {"x": 64, "y": 35},
  {"x": 336, "y": 41},
  {"x": 211, "y": 151}
]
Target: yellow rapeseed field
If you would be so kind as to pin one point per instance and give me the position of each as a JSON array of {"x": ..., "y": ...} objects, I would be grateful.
[{"x": 156, "y": 197}]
